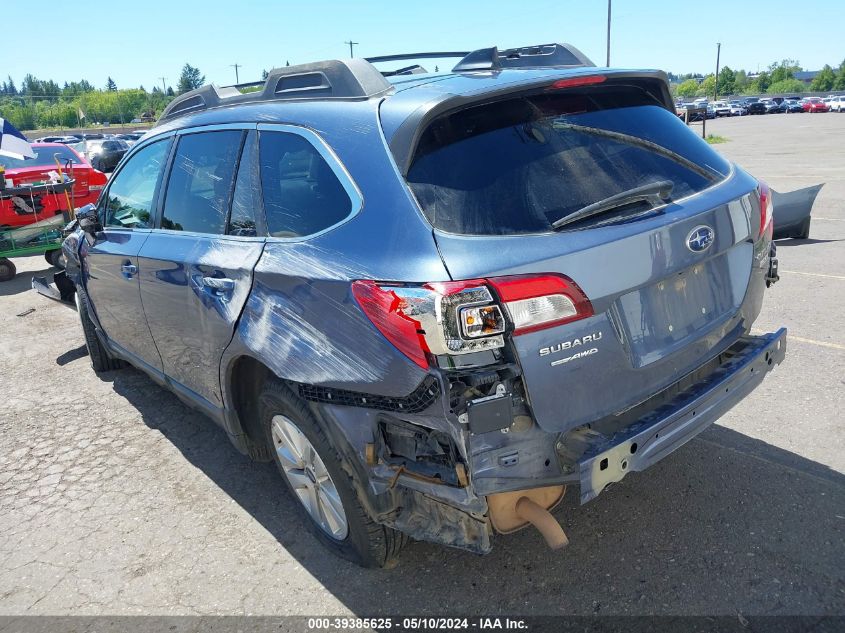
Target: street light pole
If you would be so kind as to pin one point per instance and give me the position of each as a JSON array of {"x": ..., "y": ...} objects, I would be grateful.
[
  {"x": 608, "y": 33},
  {"x": 716, "y": 85},
  {"x": 163, "y": 87},
  {"x": 351, "y": 44}
]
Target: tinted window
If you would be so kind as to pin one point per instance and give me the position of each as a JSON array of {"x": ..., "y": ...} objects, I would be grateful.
[
  {"x": 200, "y": 182},
  {"x": 245, "y": 199},
  {"x": 130, "y": 195},
  {"x": 302, "y": 195},
  {"x": 517, "y": 166}
]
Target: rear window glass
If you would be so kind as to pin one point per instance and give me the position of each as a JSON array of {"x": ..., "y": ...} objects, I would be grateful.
[
  {"x": 302, "y": 194},
  {"x": 519, "y": 165}
]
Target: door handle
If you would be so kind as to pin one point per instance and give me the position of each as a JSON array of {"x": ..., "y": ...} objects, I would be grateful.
[
  {"x": 220, "y": 285},
  {"x": 129, "y": 270}
]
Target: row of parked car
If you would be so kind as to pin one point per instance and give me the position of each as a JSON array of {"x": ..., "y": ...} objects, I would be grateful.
[
  {"x": 102, "y": 151},
  {"x": 766, "y": 105}
]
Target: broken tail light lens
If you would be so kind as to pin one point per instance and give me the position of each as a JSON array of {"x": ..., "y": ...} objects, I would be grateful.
[
  {"x": 766, "y": 210},
  {"x": 461, "y": 317}
]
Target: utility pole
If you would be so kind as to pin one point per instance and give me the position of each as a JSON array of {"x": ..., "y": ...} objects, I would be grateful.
[
  {"x": 236, "y": 66},
  {"x": 716, "y": 85},
  {"x": 608, "y": 33},
  {"x": 351, "y": 44},
  {"x": 163, "y": 87}
]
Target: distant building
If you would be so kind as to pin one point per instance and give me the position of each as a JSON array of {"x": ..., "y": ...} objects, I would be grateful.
[{"x": 806, "y": 76}]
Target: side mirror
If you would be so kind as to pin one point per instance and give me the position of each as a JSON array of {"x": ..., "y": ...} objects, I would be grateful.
[{"x": 88, "y": 219}]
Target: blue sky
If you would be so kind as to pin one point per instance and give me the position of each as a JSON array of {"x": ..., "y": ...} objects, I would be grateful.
[{"x": 140, "y": 41}]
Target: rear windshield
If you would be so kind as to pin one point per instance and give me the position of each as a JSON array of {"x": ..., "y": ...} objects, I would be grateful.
[{"x": 518, "y": 165}]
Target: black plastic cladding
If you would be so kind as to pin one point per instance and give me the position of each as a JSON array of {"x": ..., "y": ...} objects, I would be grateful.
[{"x": 418, "y": 400}]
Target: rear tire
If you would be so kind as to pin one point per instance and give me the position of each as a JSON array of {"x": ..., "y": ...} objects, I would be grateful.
[
  {"x": 363, "y": 541},
  {"x": 7, "y": 269},
  {"x": 101, "y": 360},
  {"x": 55, "y": 258}
]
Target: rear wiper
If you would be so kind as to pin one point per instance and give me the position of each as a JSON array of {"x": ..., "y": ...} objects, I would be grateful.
[{"x": 655, "y": 192}]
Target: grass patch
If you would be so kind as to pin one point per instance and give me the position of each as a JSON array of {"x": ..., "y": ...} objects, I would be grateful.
[{"x": 715, "y": 139}]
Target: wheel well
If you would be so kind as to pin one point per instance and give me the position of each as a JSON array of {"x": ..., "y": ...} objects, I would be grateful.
[{"x": 247, "y": 378}]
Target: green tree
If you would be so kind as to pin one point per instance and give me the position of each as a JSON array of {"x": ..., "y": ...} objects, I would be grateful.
[
  {"x": 824, "y": 80},
  {"x": 727, "y": 82},
  {"x": 740, "y": 82},
  {"x": 784, "y": 69},
  {"x": 190, "y": 79},
  {"x": 707, "y": 86},
  {"x": 110, "y": 85},
  {"x": 786, "y": 86},
  {"x": 839, "y": 82},
  {"x": 687, "y": 89},
  {"x": 10, "y": 87}
]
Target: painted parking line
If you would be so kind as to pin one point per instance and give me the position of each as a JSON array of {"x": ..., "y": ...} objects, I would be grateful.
[
  {"x": 810, "y": 341},
  {"x": 798, "y": 272},
  {"x": 830, "y": 219}
]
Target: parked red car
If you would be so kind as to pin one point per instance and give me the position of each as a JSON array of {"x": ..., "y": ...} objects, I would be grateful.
[
  {"x": 815, "y": 104},
  {"x": 26, "y": 210}
]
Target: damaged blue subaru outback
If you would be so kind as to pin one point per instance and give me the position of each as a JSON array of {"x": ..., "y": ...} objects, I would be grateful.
[{"x": 434, "y": 300}]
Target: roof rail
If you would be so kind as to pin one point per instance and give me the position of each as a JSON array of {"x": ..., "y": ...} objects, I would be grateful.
[
  {"x": 348, "y": 79},
  {"x": 538, "y": 56}
]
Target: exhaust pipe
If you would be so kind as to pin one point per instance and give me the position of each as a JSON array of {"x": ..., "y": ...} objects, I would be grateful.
[
  {"x": 512, "y": 511},
  {"x": 543, "y": 520}
]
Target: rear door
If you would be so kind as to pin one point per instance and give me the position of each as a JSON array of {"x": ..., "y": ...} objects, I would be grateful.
[
  {"x": 111, "y": 263},
  {"x": 197, "y": 266},
  {"x": 668, "y": 280}
]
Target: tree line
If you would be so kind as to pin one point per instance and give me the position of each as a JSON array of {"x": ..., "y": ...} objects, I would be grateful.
[
  {"x": 39, "y": 103},
  {"x": 779, "y": 78}
]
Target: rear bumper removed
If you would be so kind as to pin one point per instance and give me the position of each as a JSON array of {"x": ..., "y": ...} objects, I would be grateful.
[{"x": 671, "y": 426}]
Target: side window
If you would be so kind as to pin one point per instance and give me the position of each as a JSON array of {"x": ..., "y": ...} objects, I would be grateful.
[
  {"x": 130, "y": 195},
  {"x": 245, "y": 200},
  {"x": 200, "y": 183},
  {"x": 302, "y": 195}
]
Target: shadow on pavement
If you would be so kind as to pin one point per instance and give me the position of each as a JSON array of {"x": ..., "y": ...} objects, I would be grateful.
[
  {"x": 23, "y": 280},
  {"x": 726, "y": 525}
]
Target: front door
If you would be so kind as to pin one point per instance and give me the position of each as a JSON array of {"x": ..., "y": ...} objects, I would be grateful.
[{"x": 111, "y": 263}]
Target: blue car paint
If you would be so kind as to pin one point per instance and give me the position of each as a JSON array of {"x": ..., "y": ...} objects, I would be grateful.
[{"x": 293, "y": 310}]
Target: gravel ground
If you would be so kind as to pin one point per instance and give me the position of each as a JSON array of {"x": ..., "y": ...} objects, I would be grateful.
[{"x": 117, "y": 499}]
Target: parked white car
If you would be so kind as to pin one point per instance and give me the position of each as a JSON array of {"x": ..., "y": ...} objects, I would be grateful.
[
  {"x": 737, "y": 109},
  {"x": 837, "y": 104},
  {"x": 721, "y": 108}
]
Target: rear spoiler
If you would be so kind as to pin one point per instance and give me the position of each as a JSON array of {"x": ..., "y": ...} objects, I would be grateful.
[{"x": 403, "y": 142}]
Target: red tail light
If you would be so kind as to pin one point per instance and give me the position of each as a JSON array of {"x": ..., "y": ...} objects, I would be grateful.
[
  {"x": 460, "y": 317},
  {"x": 387, "y": 311},
  {"x": 766, "y": 210},
  {"x": 542, "y": 301}
]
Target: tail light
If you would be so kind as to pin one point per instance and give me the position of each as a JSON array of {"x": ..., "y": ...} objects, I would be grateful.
[
  {"x": 766, "y": 210},
  {"x": 460, "y": 317}
]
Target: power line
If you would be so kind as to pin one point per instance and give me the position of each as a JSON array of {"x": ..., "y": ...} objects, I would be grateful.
[{"x": 351, "y": 44}]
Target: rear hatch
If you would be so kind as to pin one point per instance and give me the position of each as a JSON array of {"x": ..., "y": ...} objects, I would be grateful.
[{"x": 520, "y": 185}]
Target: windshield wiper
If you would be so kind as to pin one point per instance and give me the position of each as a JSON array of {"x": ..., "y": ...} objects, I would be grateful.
[{"x": 654, "y": 192}]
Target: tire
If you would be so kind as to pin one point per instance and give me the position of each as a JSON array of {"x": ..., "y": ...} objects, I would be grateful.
[
  {"x": 7, "y": 270},
  {"x": 101, "y": 360},
  {"x": 364, "y": 541},
  {"x": 55, "y": 258}
]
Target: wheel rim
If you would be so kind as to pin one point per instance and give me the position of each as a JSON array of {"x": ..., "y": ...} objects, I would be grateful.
[{"x": 309, "y": 478}]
